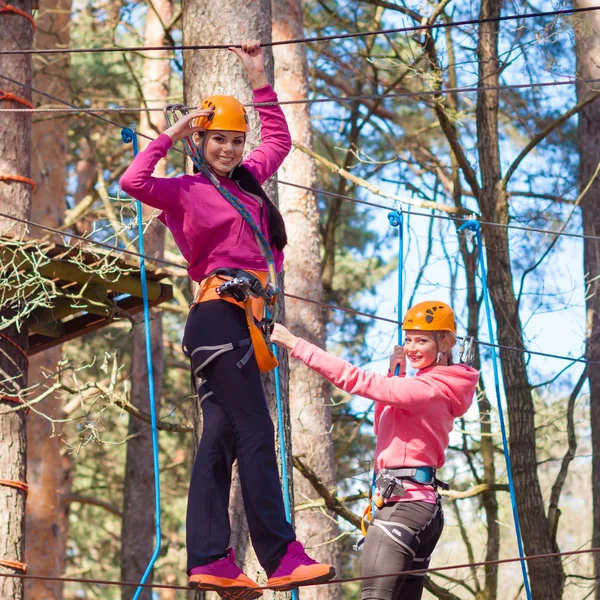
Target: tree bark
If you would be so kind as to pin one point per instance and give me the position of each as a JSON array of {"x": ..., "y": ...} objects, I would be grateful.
[
  {"x": 47, "y": 516},
  {"x": 547, "y": 576},
  {"x": 139, "y": 525},
  {"x": 587, "y": 34},
  {"x": 16, "y": 33},
  {"x": 309, "y": 393},
  {"x": 219, "y": 72}
]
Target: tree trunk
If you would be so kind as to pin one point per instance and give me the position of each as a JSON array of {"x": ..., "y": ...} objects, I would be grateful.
[
  {"x": 15, "y": 199},
  {"x": 138, "y": 525},
  {"x": 47, "y": 517},
  {"x": 219, "y": 72},
  {"x": 588, "y": 56},
  {"x": 309, "y": 393},
  {"x": 547, "y": 576}
]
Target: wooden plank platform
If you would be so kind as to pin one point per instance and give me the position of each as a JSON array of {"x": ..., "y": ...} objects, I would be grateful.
[{"x": 90, "y": 289}]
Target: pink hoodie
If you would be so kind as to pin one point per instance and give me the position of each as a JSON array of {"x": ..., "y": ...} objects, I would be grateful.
[
  {"x": 207, "y": 229},
  {"x": 413, "y": 416}
]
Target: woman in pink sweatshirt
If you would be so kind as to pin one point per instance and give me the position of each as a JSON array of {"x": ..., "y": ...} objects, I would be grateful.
[
  {"x": 218, "y": 246},
  {"x": 413, "y": 419}
]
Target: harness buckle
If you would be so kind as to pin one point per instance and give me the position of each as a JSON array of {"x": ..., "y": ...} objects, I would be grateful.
[{"x": 237, "y": 288}]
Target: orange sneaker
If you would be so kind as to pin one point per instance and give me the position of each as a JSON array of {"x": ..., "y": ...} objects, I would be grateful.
[
  {"x": 297, "y": 568},
  {"x": 226, "y": 578}
]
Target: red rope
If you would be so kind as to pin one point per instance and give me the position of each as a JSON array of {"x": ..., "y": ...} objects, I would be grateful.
[
  {"x": 5, "y": 337},
  {"x": 13, "y": 564},
  {"x": 19, "y": 485},
  {"x": 17, "y": 11},
  {"x": 20, "y": 178},
  {"x": 9, "y": 96}
]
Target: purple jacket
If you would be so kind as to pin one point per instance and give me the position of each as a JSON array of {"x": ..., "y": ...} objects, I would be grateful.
[{"x": 206, "y": 228}]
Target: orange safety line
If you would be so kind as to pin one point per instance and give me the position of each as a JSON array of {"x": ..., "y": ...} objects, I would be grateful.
[
  {"x": 9, "y": 96},
  {"x": 20, "y": 178},
  {"x": 17, "y": 11},
  {"x": 13, "y": 564},
  {"x": 4, "y": 336},
  {"x": 19, "y": 485}
]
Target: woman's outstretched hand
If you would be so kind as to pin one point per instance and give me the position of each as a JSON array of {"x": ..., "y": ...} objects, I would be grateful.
[
  {"x": 282, "y": 337},
  {"x": 181, "y": 129},
  {"x": 251, "y": 57}
]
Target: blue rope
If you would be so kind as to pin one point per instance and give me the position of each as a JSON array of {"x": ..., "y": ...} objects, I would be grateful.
[
  {"x": 128, "y": 136},
  {"x": 476, "y": 227}
]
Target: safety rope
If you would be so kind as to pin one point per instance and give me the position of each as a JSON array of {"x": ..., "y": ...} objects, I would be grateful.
[
  {"x": 18, "y": 485},
  {"x": 425, "y": 26},
  {"x": 18, "y": 178},
  {"x": 17, "y": 11},
  {"x": 475, "y": 227},
  {"x": 130, "y": 136}
]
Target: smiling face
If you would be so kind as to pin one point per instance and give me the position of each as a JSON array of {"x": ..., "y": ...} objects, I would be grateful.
[
  {"x": 421, "y": 347},
  {"x": 223, "y": 150}
]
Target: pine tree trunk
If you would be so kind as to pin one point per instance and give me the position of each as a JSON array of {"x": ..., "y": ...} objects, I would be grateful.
[
  {"x": 309, "y": 393},
  {"x": 588, "y": 60},
  {"x": 47, "y": 518},
  {"x": 219, "y": 72},
  {"x": 15, "y": 199},
  {"x": 138, "y": 525},
  {"x": 547, "y": 576}
]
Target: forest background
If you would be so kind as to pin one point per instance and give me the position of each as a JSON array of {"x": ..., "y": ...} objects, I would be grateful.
[{"x": 525, "y": 156}]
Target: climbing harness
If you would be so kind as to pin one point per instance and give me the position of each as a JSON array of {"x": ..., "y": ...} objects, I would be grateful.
[
  {"x": 390, "y": 481},
  {"x": 474, "y": 226},
  {"x": 128, "y": 135}
]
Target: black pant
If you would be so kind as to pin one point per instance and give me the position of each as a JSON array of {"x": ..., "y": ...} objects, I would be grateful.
[
  {"x": 236, "y": 424},
  {"x": 403, "y": 540}
]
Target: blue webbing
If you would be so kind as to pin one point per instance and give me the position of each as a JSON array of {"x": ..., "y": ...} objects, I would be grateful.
[{"x": 475, "y": 226}]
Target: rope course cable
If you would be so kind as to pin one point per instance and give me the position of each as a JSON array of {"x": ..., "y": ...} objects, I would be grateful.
[
  {"x": 164, "y": 586},
  {"x": 419, "y": 94},
  {"x": 16, "y": 400},
  {"x": 425, "y": 26},
  {"x": 15, "y": 345},
  {"x": 7, "y": 8}
]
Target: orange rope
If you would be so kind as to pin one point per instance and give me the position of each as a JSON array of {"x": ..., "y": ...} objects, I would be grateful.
[
  {"x": 9, "y": 96},
  {"x": 5, "y": 337},
  {"x": 20, "y": 178},
  {"x": 13, "y": 564},
  {"x": 17, "y": 11},
  {"x": 19, "y": 485}
]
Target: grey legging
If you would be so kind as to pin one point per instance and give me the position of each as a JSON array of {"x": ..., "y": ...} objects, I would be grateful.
[{"x": 401, "y": 537}]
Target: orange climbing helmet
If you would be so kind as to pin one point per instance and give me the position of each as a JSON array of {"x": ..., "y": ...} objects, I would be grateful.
[
  {"x": 430, "y": 315},
  {"x": 229, "y": 115}
]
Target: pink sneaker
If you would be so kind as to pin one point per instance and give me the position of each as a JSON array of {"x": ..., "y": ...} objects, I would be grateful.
[
  {"x": 297, "y": 568},
  {"x": 226, "y": 578}
]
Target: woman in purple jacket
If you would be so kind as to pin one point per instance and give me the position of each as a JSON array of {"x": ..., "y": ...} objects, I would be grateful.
[{"x": 218, "y": 245}]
